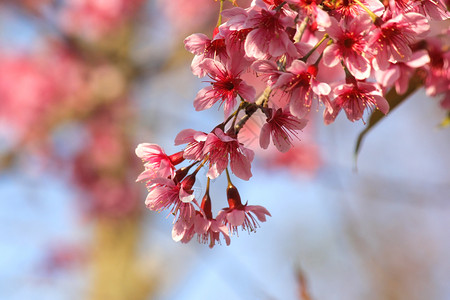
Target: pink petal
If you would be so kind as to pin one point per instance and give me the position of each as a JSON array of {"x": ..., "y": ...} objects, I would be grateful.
[
  {"x": 204, "y": 99},
  {"x": 281, "y": 142},
  {"x": 297, "y": 105},
  {"x": 388, "y": 77},
  {"x": 264, "y": 136},
  {"x": 297, "y": 67},
  {"x": 144, "y": 150},
  {"x": 253, "y": 43},
  {"x": 259, "y": 211},
  {"x": 358, "y": 67},
  {"x": 185, "y": 136},
  {"x": 213, "y": 67},
  {"x": 322, "y": 18},
  {"x": 265, "y": 66},
  {"x": 178, "y": 231},
  {"x": 320, "y": 88},
  {"x": 240, "y": 166},
  {"x": 201, "y": 224},
  {"x": 331, "y": 55},
  {"x": 382, "y": 104},
  {"x": 236, "y": 217},
  {"x": 247, "y": 92},
  {"x": 196, "y": 43},
  {"x": 419, "y": 59},
  {"x": 334, "y": 30}
]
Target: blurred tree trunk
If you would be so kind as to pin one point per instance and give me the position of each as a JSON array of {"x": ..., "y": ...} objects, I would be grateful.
[{"x": 116, "y": 270}]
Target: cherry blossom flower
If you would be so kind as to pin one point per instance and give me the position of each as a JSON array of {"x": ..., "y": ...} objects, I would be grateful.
[
  {"x": 235, "y": 39},
  {"x": 165, "y": 194},
  {"x": 225, "y": 87},
  {"x": 392, "y": 39},
  {"x": 202, "y": 223},
  {"x": 281, "y": 126},
  {"x": 156, "y": 162},
  {"x": 195, "y": 141},
  {"x": 349, "y": 9},
  {"x": 211, "y": 232},
  {"x": 399, "y": 74},
  {"x": 203, "y": 47},
  {"x": 269, "y": 69},
  {"x": 354, "y": 98},
  {"x": 222, "y": 149},
  {"x": 238, "y": 214},
  {"x": 301, "y": 86},
  {"x": 311, "y": 9},
  {"x": 268, "y": 37},
  {"x": 433, "y": 9},
  {"x": 349, "y": 45},
  {"x": 207, "y": 228}
]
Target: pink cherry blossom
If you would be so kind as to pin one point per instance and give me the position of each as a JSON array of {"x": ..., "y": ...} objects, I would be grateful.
[
  {"x": 222, "y": 149},
  {"x": 354, "y": 98},
  {"x": 268, "y": 37},
  {"x": 311, "y": 9},
  {"x": 399, "y": 74},
  {"x": 392, "y": 39},
  {"x": 236, "y": 18},
  {"x": 165, "y": 194},
  {"x": 281, "y": 126},
  {"x": 195, "y": 141},
  {"x": 349, "y": 45},
  {"x": 156, "y": 162},
  {"x": 225, "y": 87},
  {"x": 269, "y": 70},
  {"x": 241, "y": 215},
  {"x": 203, "y": 47},
  {"x": 211, "y": 233},
  {"x": 207, "y": 228},
  {"x": 300, "y": 85},
  {"x": 234, "y": 39}
]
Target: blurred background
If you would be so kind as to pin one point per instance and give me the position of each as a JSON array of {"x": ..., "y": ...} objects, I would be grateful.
[{"x": 82, "y": 82}]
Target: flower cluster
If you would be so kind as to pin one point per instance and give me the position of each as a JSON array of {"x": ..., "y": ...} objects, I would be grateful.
[{"x": 338, "y": 54}]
